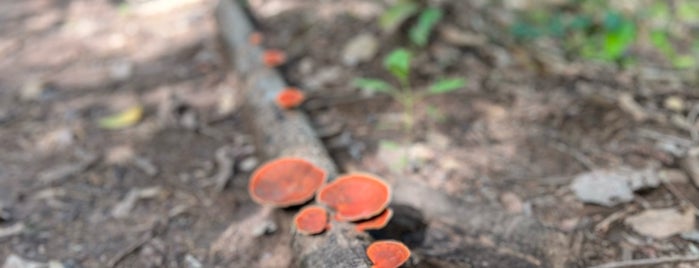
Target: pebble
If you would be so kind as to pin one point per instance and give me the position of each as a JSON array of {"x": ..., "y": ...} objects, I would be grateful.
[
  {"x": 248, "y": 164},
  {"x": 361, "y": 48}
]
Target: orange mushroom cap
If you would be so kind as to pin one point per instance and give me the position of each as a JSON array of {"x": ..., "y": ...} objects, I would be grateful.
[
  {"x": 355, "y": 196},
  {"x": 375, "y": 223},
  {"x": 290, "y": 98},
  {"x": 387, "y": 254},
  {"x": 311, "y": 220},
  {"x": 285, "y": 182},
  {"x": 273, "y": 57},
  {"x": 255, "y": 38}
]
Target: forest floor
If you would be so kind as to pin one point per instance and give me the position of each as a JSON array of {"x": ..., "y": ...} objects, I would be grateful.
[{"x": 526, "y": 133}]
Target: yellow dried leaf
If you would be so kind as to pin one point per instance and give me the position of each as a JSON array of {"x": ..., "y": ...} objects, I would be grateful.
[{"x": 123, "y": 119}]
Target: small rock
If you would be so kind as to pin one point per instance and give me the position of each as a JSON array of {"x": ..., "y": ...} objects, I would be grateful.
[
  {"x": 360, "y": 49},
  {"x": 192, "y": 262},
  {"x": 421, "y": 152},
  {"x": 692, "y": 235},
  {"x": 248, "y": 164},
  {"x": 14, "y": 261},
  {"x": 266, "y": 228},
  {"x": 32, "y": 89},
  {"x": 323, "y": 77},
  {"x": 120, "y": 154},
  {"x": 120, "y": 70},
  {"x": 615, "y": 186},
  {"x": 511, "y": 202},
  {"x": 601, "y": 190},
  {"x": 674, "y": 103},
  {"x": 661, "y": 223},
  {"x": 56, "y": 140}
]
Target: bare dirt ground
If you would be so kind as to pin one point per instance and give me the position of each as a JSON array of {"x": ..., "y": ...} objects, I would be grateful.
[
  {"x": 149, "y": 195},
  {"x": 76, "y": 194}
]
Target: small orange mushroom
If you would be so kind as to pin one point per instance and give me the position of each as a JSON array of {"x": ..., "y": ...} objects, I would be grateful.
[
  {"x": 255, "y": 38},
  {"x": 285, "y": 182},
  {"x": 290, "y": 98},
  {"x": 273, "y": 57},
  {"x": 311, "y": 220},
  {"x": 387, "y": 254},
  {"x": 375, "y": 223},
  {"x": 355, "y": 197}
]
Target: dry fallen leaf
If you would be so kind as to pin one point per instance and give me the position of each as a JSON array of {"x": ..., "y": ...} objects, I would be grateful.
[
  {"x": 662, "y": 223},
  {"x": 124, "y": 119}
]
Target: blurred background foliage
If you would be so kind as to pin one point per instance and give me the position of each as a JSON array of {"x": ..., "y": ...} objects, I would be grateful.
[{"x": 620, "y": 32}]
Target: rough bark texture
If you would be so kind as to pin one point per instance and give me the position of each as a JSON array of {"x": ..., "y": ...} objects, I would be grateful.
[
  {"x": 285, "y": 133},
  {"x": 519, "y": 241}
]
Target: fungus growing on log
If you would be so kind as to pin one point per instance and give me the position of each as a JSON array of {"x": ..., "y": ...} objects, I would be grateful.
[
  {"x": 290, "y": 98},
  {"x": 355, "y": 197},
  {"x": 311, "y": 220},
  {"x": 255, "y": 38},
  {"x": 375, "y": 223},
  {"x": 273, "y": 57},
  {"x": 285, "y": 182},
  {"x": 387, "y": 254}
]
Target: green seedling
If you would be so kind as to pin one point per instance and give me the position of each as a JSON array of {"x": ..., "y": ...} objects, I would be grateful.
[{"x": 398, "y": 64}]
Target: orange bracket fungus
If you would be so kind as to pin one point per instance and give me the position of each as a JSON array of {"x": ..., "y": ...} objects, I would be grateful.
[
  {"x": 285, "y": 182},
  {"x": 273, "y": 58},
  {"x": 355, "y": 197},
  {"x": 387, "y": 254},
  {"x": 290, "y": 98},
  {"x": 311, "y": 220},
  {"x": 375, "y": 223},
  {"x": 255, "y": 38}
]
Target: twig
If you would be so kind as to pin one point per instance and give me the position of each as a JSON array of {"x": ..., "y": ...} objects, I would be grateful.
[
  {"x": 645, "y": 262},
  {"x": 603, "y": 225},
  {"x": 152, "y": 233},
  {"x": 678, "y": 194},
  {"x": 577, "y": 155}
]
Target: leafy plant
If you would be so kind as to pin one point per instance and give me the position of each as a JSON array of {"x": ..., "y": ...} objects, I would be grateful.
[
  {"x": 402, "y": 11},
  {"x": 397, "y": 62}
]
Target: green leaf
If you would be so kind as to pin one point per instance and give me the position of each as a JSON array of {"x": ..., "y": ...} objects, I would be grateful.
[
  {"x": 395, "y": 16},
  {"x": 619, "y": 34},
  {"x": 421, "y": 31},
  {"x": 446, "y": 85},
  {"x": 376, "y": 85},
  {"x": 398, "y": 63}
]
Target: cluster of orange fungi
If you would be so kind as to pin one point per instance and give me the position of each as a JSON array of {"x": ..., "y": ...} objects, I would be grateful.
[
  {"x": 289, "y": 97},
  {"x": 358, "y": 198}
]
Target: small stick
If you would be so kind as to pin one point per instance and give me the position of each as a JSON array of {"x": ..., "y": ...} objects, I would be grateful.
[
  {"x": 646, "y": 262},
  {"x": 603, "y": 225}
]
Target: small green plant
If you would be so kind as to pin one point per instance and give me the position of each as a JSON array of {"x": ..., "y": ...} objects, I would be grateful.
[
  {"x": 398, "y": 64},
  {"x": 402, "y": 11}
]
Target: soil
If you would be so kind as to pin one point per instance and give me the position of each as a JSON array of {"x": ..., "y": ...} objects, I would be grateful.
[
  {"x": 515, "y": 136},
  {"x": 66, "y": 64},
  {"x": 521, "y": 130}
]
